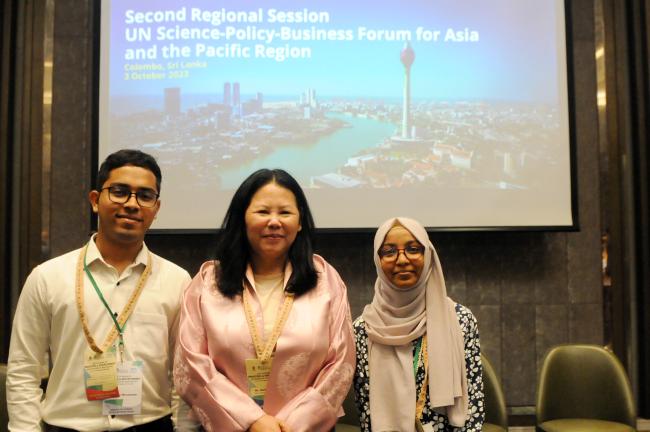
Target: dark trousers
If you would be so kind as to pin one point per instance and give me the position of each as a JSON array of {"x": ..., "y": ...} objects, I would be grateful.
[{"x": 161, "y": 425}]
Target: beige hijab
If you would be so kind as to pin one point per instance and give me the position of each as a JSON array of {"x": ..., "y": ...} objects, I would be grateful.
[{"x": 394, "y": 319}]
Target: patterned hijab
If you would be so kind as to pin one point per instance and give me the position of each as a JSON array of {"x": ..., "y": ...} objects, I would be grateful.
[{"x": 395, "y": 318}]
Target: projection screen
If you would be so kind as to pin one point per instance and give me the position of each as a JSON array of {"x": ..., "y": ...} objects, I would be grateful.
[{"x": 453, "y": 112}]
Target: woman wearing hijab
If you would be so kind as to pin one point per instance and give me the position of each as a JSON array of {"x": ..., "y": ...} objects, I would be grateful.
[{"x": 418, "y": 353}]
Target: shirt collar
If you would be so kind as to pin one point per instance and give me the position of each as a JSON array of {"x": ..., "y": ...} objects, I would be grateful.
[{"x": 93, "y": 254}]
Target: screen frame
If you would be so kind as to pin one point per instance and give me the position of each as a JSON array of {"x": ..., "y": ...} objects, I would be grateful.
[{"x": 574, "y": 227}]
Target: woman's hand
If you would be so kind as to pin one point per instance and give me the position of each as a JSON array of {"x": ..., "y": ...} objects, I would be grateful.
[{"x": 268, "y": 423}]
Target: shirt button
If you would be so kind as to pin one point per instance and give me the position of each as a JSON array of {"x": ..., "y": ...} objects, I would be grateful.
[{"x": 118, "y": 284}]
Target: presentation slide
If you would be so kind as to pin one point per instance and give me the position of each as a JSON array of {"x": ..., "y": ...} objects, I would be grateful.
[{"x": 453, "y": 112}]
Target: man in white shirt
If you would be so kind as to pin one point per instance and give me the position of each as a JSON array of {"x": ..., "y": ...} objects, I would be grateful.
[{"x": 106, "y": 315}]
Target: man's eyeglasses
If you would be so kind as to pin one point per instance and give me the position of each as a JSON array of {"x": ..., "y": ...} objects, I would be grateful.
[
  {"x": 390, "y": 253},
  {"x": 121, "y": 194}
]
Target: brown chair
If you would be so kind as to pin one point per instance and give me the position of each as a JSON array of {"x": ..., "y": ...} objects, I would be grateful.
[
  {"x": 584, "y": 388},
  {"x": 494, "y": 403}
]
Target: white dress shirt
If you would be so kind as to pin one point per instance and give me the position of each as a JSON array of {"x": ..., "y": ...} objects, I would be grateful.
[{"x": 47, "y": 321}]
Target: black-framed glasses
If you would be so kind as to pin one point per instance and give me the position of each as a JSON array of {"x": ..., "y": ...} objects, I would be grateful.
[
  {"x": 390, "y": 253},
  {"x": 121, "y": 194}
]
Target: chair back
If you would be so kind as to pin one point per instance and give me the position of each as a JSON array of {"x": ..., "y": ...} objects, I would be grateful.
[
  {"x": 586, "y": 382},
  {"x": 494, "y": 402}
]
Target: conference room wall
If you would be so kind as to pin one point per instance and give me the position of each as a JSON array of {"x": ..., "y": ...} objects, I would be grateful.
[{"x": 529, "y": 290}]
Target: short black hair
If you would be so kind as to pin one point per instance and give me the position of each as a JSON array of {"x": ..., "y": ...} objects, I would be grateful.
[
  {"x": 233, "y": 250},
  {"x": 128, "y": 157}
]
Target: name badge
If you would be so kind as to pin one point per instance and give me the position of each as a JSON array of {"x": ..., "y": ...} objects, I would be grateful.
[
  {"x": 258, "y": 373},
  {"x": 100, "y": 375},
  {"x": 129, "y": 381}
]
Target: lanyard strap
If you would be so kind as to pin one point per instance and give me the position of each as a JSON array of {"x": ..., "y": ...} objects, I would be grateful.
[
  {"x": 264, "y": 352},
  {"x": 417, "y": 357},
  {"x": 119, "y": 322},
  {"x": 421, "y": 354},
  {"x": 120, "y": 329}
]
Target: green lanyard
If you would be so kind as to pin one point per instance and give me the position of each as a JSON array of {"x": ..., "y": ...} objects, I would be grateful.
[
  {"x": 416, "y": 358},
  {"x": 113, "y": 315},
  {"x": 119, "y": 321},
  {"x": 421, "y": 352}
]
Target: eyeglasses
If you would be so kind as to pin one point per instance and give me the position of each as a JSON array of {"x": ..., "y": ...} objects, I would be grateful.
[
  {"x": 390, "y": 253},
  {"x": 121, "y": 194}
]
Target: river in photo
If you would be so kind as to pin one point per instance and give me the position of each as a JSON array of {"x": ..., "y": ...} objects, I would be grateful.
[{"x": 327, "y": 155}]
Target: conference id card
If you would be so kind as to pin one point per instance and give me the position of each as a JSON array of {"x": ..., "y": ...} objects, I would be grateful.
[
  {"x": 100, "y": 375},
  {"x": 258, "y": 373},
  {"x": 129, "y": 381}
]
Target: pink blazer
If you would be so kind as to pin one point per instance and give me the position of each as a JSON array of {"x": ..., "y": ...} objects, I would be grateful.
[{"x": 313, "y": 363}]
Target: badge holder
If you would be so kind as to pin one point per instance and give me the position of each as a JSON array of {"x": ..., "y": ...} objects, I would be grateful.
[
  {"x": 129, "y": 381},
  {"x": 100, "y": 375},
  {"x": 258, "y": 373}
]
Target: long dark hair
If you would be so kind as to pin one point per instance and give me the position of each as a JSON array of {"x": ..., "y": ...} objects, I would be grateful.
[{"x": 233, "y": 251}]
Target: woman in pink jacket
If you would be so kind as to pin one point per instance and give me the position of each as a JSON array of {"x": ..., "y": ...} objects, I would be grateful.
[{"x": 265, "y": 340}]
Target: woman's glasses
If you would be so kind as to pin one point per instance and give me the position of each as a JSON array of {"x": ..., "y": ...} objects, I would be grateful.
[{"x": 390, "y": 253}]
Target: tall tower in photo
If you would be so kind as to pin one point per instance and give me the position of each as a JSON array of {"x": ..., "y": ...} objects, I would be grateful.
[
  {"x": 173, "y": 101},
  {"x": 235, "y": 94},
  {"x": 226, "y": 93},
  {"x": 407, "y": 56}
]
